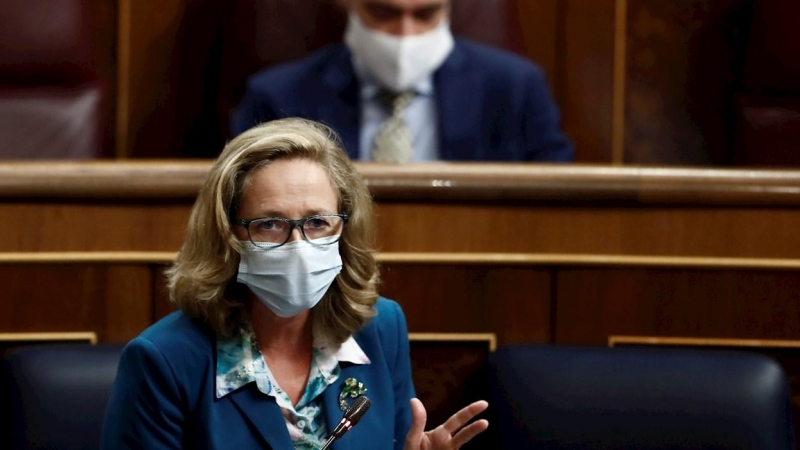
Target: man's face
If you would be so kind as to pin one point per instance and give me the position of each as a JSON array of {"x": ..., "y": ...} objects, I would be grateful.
[{"x": 400, "y": 17}]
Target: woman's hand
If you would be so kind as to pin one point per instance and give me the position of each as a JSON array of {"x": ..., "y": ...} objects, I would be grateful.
[{"x": 449, "y": 435}]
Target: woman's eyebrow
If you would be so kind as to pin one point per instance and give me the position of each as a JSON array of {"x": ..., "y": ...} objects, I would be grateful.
[{"x": 307, "y": 213}]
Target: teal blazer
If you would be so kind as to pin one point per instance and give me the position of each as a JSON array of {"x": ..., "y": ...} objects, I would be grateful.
[{"x": 164, "y": 393}]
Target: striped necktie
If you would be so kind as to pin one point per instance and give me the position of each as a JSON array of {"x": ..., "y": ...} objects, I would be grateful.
[{"x": 394, "y": 143}]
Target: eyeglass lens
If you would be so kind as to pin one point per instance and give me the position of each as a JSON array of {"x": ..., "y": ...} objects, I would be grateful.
[{"x": 276, "y": 231}]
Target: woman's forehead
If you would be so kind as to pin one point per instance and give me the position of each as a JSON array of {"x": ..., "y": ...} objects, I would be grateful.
[{"x": 295, "y": 185}]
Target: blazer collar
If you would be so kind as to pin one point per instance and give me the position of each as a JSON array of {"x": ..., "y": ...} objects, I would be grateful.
[
  {"x": 459, "y": 94},
  {"x": 263, "y": 414}
]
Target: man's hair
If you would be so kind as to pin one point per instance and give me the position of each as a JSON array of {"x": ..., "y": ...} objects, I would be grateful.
[{"x": 202, "y": 280}]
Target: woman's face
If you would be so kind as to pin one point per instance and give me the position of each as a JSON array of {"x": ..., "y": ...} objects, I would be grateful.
[{"x": 290, "y": 188}]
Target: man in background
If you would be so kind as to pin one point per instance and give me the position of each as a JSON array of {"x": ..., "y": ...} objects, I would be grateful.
[{"x": 402, "y": 89}]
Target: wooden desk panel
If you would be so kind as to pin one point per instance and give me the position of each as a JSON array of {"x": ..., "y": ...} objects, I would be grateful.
[
  {"x": 496, "y": 208},
  {"x": 524, "y": 302},
  {"x": 513, "y": 302},
  {"x": 418, "y": 227},
  {"x": 595, "y": 303},
  {"x": 69, "y": 226},
  {"x": 608, "y": 241},
  {"x": 589, "y": 230},
  {"x": 113, "y": 300}
]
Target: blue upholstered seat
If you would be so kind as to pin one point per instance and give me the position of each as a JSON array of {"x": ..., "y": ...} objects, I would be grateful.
[
  {"x": 56, "y": 395},
  {"x": 560, "y": 397}
]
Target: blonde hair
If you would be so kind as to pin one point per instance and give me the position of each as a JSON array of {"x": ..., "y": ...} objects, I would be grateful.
[{"x": 202, "y": 280}]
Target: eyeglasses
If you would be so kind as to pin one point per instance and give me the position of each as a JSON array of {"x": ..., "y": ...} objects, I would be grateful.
[{"x": 272, "y": 232}]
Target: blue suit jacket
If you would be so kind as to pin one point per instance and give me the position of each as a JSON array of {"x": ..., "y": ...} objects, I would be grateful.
[
  {"x": 164, "y": 393},
  {"x": 492, "y": 105}
]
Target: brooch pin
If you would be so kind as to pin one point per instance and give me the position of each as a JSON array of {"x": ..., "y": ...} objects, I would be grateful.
[{"x": 352, "y": 388}]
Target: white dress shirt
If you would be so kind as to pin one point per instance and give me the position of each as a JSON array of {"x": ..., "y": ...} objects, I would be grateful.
[{"x": 420, "y": 116}]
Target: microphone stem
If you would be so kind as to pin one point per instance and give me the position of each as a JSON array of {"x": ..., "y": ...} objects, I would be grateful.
[{"x": 328, "y": 442}]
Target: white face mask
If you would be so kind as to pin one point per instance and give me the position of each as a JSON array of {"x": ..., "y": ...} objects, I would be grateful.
[
  {"x": 292, "y": 278},
  {"x": 398, "y": 62}
]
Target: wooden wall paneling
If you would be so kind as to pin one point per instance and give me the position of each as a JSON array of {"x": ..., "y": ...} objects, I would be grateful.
[
  {"x": 103, "y": 32},
  {"x": 528, "y": 209},
  {"x": 147, "y": 46},
  {"x": 462, "y": 208},
  {"x": 667, "y": 231},
  {"x": 123, "y": 86},
  {"x": 517, "y": 302},
  {"x": 512, "y": 302},
  {"x": 684, "y": 63},
  {"x": 595, "y": 303},
  {"x": 541, "y": 25},
  {"x": 167, "y": 54},
  {"x": 114, "y": 301},
  {"x": 587, "y": 91},
  {"x": 97, "y": 226},
  {"x": 130, "y": 302}
]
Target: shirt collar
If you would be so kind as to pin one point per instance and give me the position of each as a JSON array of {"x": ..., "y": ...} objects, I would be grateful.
[
  {"x": 239, "y": 361},
  {"x": 370, "y": 87}
]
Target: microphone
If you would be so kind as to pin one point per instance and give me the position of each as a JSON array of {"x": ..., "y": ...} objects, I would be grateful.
[{"x": 350, "y": 418}]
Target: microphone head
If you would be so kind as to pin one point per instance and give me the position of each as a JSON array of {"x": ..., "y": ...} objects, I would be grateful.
[
  {"x": 357, "y": 409},
  {"x": 352, "y": 416}
]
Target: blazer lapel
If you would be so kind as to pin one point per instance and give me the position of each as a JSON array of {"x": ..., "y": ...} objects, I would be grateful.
[
  {"x": 341, "y": 109},
  {"x": 263, "y": 414},
  {"x": 363, "y": 435},
  {"x": 458, "y": 99},
  {"x": 333, "y": 414}
]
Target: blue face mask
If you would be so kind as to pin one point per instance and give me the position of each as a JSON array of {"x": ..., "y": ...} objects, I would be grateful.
[{"x": 292, "y": 278}]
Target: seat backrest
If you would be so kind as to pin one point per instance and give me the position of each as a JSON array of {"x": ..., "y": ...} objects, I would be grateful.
[
  {"x": 560, "y": 397},
  {"x": 56, "y": 75},
  {"x": 57, "y": 394}
]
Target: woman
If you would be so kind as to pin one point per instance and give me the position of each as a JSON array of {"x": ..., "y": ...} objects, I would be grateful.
[{"x": 280, "y": 324}]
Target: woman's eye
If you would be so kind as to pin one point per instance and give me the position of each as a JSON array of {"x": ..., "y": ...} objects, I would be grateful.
[
  {"x": 316, "y": 223},
  {"x": 272, "y": 225},
  {"x": 267, "y": 225}
]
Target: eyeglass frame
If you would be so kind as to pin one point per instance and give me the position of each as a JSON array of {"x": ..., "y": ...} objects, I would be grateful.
[{"x": 299, "y": 223}]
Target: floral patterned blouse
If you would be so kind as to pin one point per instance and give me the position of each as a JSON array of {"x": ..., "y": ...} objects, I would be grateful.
[{"x": 239, "y": 362}]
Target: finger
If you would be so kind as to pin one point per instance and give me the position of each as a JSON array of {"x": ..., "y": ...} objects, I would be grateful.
[
  {"x": 418, "y": 418},
  {"x": 470, "y": 431},
  {"x": 466, "y": 414}
]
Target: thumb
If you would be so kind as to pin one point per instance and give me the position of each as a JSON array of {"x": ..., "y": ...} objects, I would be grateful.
[{"x": 418, "y": 418}]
